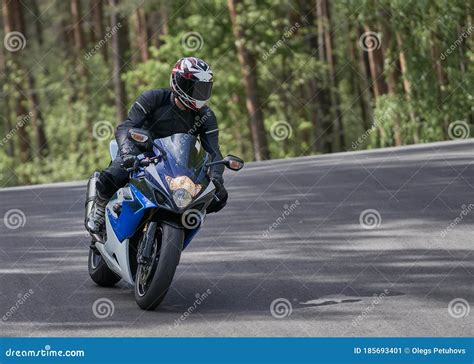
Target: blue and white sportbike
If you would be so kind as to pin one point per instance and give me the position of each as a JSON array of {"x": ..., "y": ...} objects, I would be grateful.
[{"x": 155, "y": 216}]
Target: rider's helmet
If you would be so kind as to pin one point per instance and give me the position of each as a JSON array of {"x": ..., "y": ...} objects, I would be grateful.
[{"x": 191, "y": 82}]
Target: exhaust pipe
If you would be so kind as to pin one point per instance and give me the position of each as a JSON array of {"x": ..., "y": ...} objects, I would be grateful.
[{"x": 91, "y": 193}]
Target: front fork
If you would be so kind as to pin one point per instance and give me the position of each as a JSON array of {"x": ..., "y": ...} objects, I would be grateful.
[{"x": 147, "y": 240}]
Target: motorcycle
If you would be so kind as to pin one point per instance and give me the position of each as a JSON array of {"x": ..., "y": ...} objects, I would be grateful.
[{"x": 155, "y": 216}]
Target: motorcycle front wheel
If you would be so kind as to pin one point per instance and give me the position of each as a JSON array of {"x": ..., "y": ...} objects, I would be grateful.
[{"x": 154, "y": 278}]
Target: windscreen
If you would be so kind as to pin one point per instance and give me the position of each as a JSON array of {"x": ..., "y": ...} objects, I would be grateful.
[{"x": 185, "y": 156}]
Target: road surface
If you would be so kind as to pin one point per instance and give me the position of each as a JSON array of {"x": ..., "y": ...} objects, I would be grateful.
[{"x": 375, "y": 243}]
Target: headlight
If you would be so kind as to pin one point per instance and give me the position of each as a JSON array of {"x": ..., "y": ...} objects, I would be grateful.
[
  {"x": 185, "y": 183},
  {"x": 182, "y": 198}
]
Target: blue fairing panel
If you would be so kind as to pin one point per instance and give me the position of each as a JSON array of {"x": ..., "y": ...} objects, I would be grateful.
[{"x": 131, "y": 215}]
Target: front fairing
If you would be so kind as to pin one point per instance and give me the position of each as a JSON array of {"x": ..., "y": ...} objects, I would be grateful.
[
  {"x": 185, "y": 156},
  {"x": 149, "y": 188}
]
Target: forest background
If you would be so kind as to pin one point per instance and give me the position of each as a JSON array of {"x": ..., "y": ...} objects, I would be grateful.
[{"x": 292, "y": 78}]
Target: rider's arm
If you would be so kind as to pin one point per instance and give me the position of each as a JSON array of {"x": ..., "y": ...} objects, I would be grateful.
[
  {"x": 209, "y": 135},
  {"x": 141, "y": 109}
]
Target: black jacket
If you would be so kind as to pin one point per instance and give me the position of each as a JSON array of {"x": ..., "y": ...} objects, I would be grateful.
[{"x": 156, "y": 111}]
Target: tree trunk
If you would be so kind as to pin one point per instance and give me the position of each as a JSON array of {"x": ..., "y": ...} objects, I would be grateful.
[
  {"x": 360, "y": 87},
  {"x": 98, "y": 29},
  {"x": 4, "y": 71},
  {"x": 462, "y": 48},
  {"x": 158, "y": 25},
  {"x": 442, "y": 81},
  {"x": 407, "y": 86},
  {"x": 392, "y": 90},
  {"x": 66, "y": 35},
  {"x": 37, "y": 117},
  {"x": 79, "y": 42},
  {"x": 470, "y": 59},
  {"x": 311, "y": 91},
  {"x": 364, "y": 66},
  {"x": 120, "y": 48},
  {"x": 379, "y": 86},
  {"x": 323, "y": 5},
  {"x": 392, "y": 74},
  {"x": 38, "y": 24},
  {"x": 141, "y": 30},
  {"x": 326, "y": 135},
  {"x": 376, "y": 62},
  {"x": 13, "y": 21},
  {"x": 164, "y": 16},
  {"x": 33, "y": 97},
  {"x": 249, "y": 73}
]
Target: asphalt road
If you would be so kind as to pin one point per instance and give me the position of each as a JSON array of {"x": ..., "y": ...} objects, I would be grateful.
[{"x": 291, "y": 234}]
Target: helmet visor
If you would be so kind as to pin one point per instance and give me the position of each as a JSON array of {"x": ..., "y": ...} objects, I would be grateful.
[{"x": 197, "y": 90}]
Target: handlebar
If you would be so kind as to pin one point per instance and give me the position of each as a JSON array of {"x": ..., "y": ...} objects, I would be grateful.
[{"x": 144, "y": 162}]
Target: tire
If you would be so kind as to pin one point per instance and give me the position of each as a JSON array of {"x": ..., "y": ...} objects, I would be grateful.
[
  {"x": 99, "y": 272},
  {"x": 164, "y": 266}
]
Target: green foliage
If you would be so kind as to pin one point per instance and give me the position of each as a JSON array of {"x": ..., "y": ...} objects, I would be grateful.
[{"x": 280, "y": 35}]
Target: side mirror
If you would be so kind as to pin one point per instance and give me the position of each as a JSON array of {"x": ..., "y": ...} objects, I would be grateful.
[
  {"x": 140, "y": 137},
  {"x": 232, "y": 162}
]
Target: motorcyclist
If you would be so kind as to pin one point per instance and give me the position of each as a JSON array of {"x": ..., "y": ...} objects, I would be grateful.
[{"x": 182, "y": 108}]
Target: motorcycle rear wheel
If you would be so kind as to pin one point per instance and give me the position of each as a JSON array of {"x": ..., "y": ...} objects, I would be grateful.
[{"x": 153, "y": 280}]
